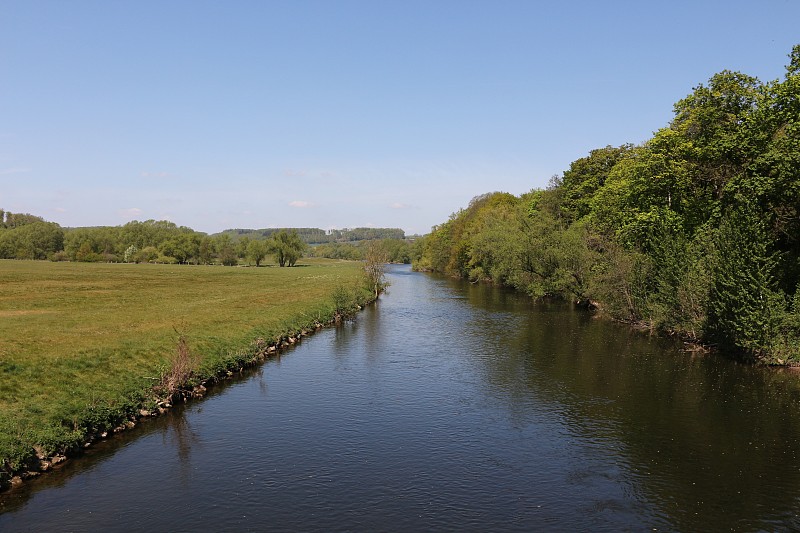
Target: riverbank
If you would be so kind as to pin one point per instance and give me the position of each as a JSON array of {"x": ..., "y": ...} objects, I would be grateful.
[{"x": 87, "y": 350}]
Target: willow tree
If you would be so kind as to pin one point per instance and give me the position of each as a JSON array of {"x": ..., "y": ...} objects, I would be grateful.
[{"x": 287, "y": 247}]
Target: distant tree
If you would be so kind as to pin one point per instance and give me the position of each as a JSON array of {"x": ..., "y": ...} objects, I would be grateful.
[
  {"x": 147, "y": 254},
  {"x": 86, "y": 254},
  {"x": 287, "y": 247},
  {"x": 257, "y": 251},
  {"x": 130, "y": 254},
  {"x": 226, "y": 250},
  {"x": 206, "y": 250},
  {"x": 35, "y": 240},
  {"x": 339, "y": 250},
  {"x": 397, "y": 250},
  {"x": 242, "y": 247},
  {"x": 15, "y": 220},
  {"x": 375, "y": 258},
  {"x": 183, "y": 247}
]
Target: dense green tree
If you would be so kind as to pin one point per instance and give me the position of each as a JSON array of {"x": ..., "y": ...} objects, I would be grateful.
[
  {"x": 33, "y": 240},
  {"x": 773, "y": 176},
  {"x": 183, "y": 247},
  {"x": 743, "y": 305},
  {"x": 338, "y": 250},
  {"x": 242, "y": 247},
  {"x": 287, "y": 247},
  {"x": 226, "y": 250},
  {"x": 92, "y": 244},
  {"x": 16, "y": 220},
  {"x": 397, "y": 250},
  {"x": 585, "y": 176},
  {"x": 147, "y": 254},
  {"x": 206, "y": 250},
  {"x": 257, "y": 251}
]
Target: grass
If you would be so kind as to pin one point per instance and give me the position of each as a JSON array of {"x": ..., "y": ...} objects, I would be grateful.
[{"x": 82, "y": 345}]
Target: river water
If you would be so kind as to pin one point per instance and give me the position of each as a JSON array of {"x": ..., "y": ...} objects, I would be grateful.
[{"x": 450, "y": 406}]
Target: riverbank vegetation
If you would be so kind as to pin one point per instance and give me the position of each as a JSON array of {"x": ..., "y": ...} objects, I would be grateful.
[
  {"x": 694, "y": 232},
  {"x": 85, "y": 347}
]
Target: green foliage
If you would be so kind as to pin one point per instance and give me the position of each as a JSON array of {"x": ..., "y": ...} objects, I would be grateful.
[
  {"x": 337, "y": 250},
  {"x": 317, "y": 235},
  {"x": 257, "y": 251},
  {"x": 696, "y": 231},
  {"x": 33, "y": 239},
  {"x": 29, "y": 237},
  {"x": 742, "y": 311},
  {"x": 397, "y": 250},
  {"x": 585, "y": 177},
  {"x": 130, "y": 254},
  {"x": 786, "y": 343},
  {"x": 24, "y": 236},
  {"x": 347, "y": 300},
  {"x": 287, "y": 247},
  {"x": 375, "y": 259},
  {"x": 226, "y": 250},
  {"x": 11, "y": 220},
  {"x": 148, "y": 254}
]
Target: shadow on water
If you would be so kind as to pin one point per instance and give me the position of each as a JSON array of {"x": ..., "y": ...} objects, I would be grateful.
[{"x": 711, "y": 443}]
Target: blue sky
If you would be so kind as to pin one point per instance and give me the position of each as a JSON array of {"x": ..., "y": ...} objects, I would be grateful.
[{"x": 341, "y": 113}]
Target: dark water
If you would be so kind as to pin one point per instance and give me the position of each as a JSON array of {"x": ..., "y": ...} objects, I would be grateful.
[{"x": 450, "y": 406}]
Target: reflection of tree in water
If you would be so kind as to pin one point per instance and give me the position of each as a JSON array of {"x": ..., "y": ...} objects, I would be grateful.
[
  {"x": 262, "y": 385},
  {"x": 180, "y": 434},
  {"x": 707, "y": 441}
]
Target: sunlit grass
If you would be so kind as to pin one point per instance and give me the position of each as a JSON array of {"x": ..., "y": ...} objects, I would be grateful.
[{"x": 81, "y": 344}]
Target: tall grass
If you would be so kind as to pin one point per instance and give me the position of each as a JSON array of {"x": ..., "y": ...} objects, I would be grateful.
[{"x": 84, "y": 347}]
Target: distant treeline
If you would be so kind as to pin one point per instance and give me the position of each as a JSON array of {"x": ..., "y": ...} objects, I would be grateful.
[
  {"x": 25, "y": 236},
  {"x": 694, "y": 232},
  {"x": 393, "y": 250},
  {"x": 320, "y": 236}
]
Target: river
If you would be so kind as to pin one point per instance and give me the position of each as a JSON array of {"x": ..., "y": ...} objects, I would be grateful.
[{"x": 451, "y": 406}]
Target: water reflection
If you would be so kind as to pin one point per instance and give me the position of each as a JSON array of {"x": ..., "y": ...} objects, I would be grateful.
[
  {"x": 712, "y": 444},
  {"x": 180, "y": 436},
  {"x": 453, "y": 406}
]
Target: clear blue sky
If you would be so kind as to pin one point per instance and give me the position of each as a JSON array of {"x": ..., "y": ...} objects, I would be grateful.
[{"x": 341, "y": 113}]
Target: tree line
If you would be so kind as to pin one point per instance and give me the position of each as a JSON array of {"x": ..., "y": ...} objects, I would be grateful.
[
  {"x": 25, "y": 236},
  {"x": 394, "y": 250},
  {"x": 694, "y": 232},
  {"x": 320, "y": 236}
]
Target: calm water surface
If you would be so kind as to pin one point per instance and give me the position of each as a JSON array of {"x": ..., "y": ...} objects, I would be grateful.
[{"x": 450, "y": 406}]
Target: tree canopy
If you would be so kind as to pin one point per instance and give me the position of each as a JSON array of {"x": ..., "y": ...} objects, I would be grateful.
[{"x": 696, "y": 231}]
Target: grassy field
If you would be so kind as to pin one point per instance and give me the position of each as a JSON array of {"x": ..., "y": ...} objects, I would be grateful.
[{"x": 82, "y": 344}]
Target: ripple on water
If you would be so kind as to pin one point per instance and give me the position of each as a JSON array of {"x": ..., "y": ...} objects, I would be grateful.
[{"x": 452, "y": 406}]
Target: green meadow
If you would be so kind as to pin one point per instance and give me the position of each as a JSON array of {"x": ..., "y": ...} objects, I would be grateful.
[{"x": 83, "y": 344}]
